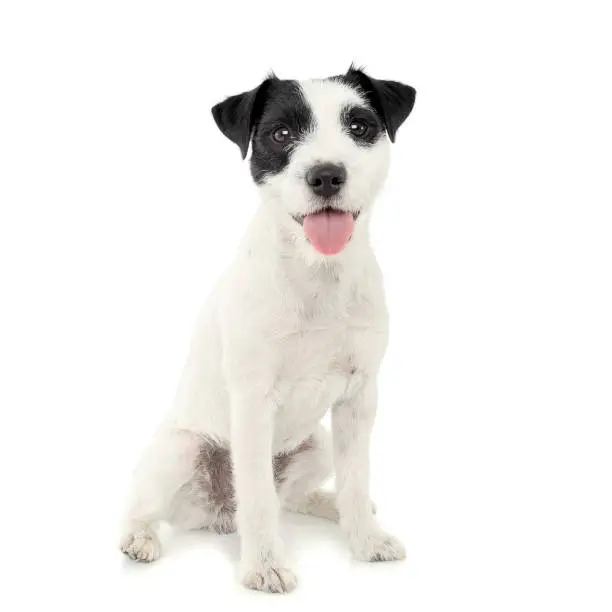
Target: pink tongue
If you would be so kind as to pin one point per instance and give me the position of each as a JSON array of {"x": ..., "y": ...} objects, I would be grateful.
[{"x": 329, "y": 231}]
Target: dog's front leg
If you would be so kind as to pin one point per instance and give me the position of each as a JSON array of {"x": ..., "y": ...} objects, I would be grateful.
[
  {"x": 262, "y": 557},
  {"x": 352, "y": 420}
]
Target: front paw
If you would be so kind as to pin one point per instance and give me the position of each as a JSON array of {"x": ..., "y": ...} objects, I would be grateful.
[
  {"x": 142, "y": 545},
  {"x": 269, "y": 577},
  {"x": 377, "y": 546}
]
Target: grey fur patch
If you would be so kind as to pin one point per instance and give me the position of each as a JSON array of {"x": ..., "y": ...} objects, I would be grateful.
[
  {"x": 213, "y": 482},
  {"x": 216, "y": 461},
  {"x": 282, "y": 461},
  {"x": 213, "y": 478}
]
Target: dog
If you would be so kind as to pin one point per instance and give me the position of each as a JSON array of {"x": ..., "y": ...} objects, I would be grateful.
[{"x": 297, "y": 327}]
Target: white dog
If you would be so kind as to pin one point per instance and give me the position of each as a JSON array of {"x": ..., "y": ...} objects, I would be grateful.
[{"x": 298, "y": 326}]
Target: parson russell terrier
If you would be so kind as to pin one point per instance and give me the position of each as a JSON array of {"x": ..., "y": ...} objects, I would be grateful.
[{"x": 296, "y": 327}]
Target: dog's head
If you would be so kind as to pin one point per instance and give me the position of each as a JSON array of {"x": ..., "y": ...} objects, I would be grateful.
[{"x": 320, "y": 148}]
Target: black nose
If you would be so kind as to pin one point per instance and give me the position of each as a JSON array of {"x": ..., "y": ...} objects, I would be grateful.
[{"x": 326, "y": 180}]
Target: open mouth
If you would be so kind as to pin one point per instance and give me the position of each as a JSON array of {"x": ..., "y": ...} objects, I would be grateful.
[{"x": 328, "y": 229}]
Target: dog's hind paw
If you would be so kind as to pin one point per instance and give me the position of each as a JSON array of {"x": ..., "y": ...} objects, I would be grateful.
[
  {"x": 318, "y": 503},
  {"x": 141, "y": 546}
]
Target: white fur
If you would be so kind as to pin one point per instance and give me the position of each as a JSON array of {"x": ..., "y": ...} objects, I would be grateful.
[{"x": 286, "y": 335}]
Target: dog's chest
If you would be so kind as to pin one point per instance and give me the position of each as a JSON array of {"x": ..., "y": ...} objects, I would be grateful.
[
  {"x": 333, "y": 329},
  {"x": 326, "y": 353}
]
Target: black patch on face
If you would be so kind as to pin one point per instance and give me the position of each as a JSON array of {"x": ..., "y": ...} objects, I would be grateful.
[
  {"x": 360, "y": 115},
  {"x": 274, "y": 115},
  {"x": 285, "y": 109},
  {"x": 392, "y": 101}
]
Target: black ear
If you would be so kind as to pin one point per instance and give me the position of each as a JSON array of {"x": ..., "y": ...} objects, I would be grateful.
[
  {"x": 237, "y": 115},
  {"x": 393, "y": 101}
]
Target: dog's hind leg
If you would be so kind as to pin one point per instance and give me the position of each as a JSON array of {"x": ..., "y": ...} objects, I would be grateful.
[
  {"x": 316, "y": 503},
  {"x": 300, "y": 474},
  {"x": 167, "y": 464}
]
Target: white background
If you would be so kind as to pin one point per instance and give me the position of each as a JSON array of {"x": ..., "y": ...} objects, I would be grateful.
[{"x": 121, "y": 203}]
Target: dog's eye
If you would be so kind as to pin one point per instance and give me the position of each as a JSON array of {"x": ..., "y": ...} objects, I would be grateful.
[
  {"x": 282, "y": 135},
  {"x": 358, "y": 128}
]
